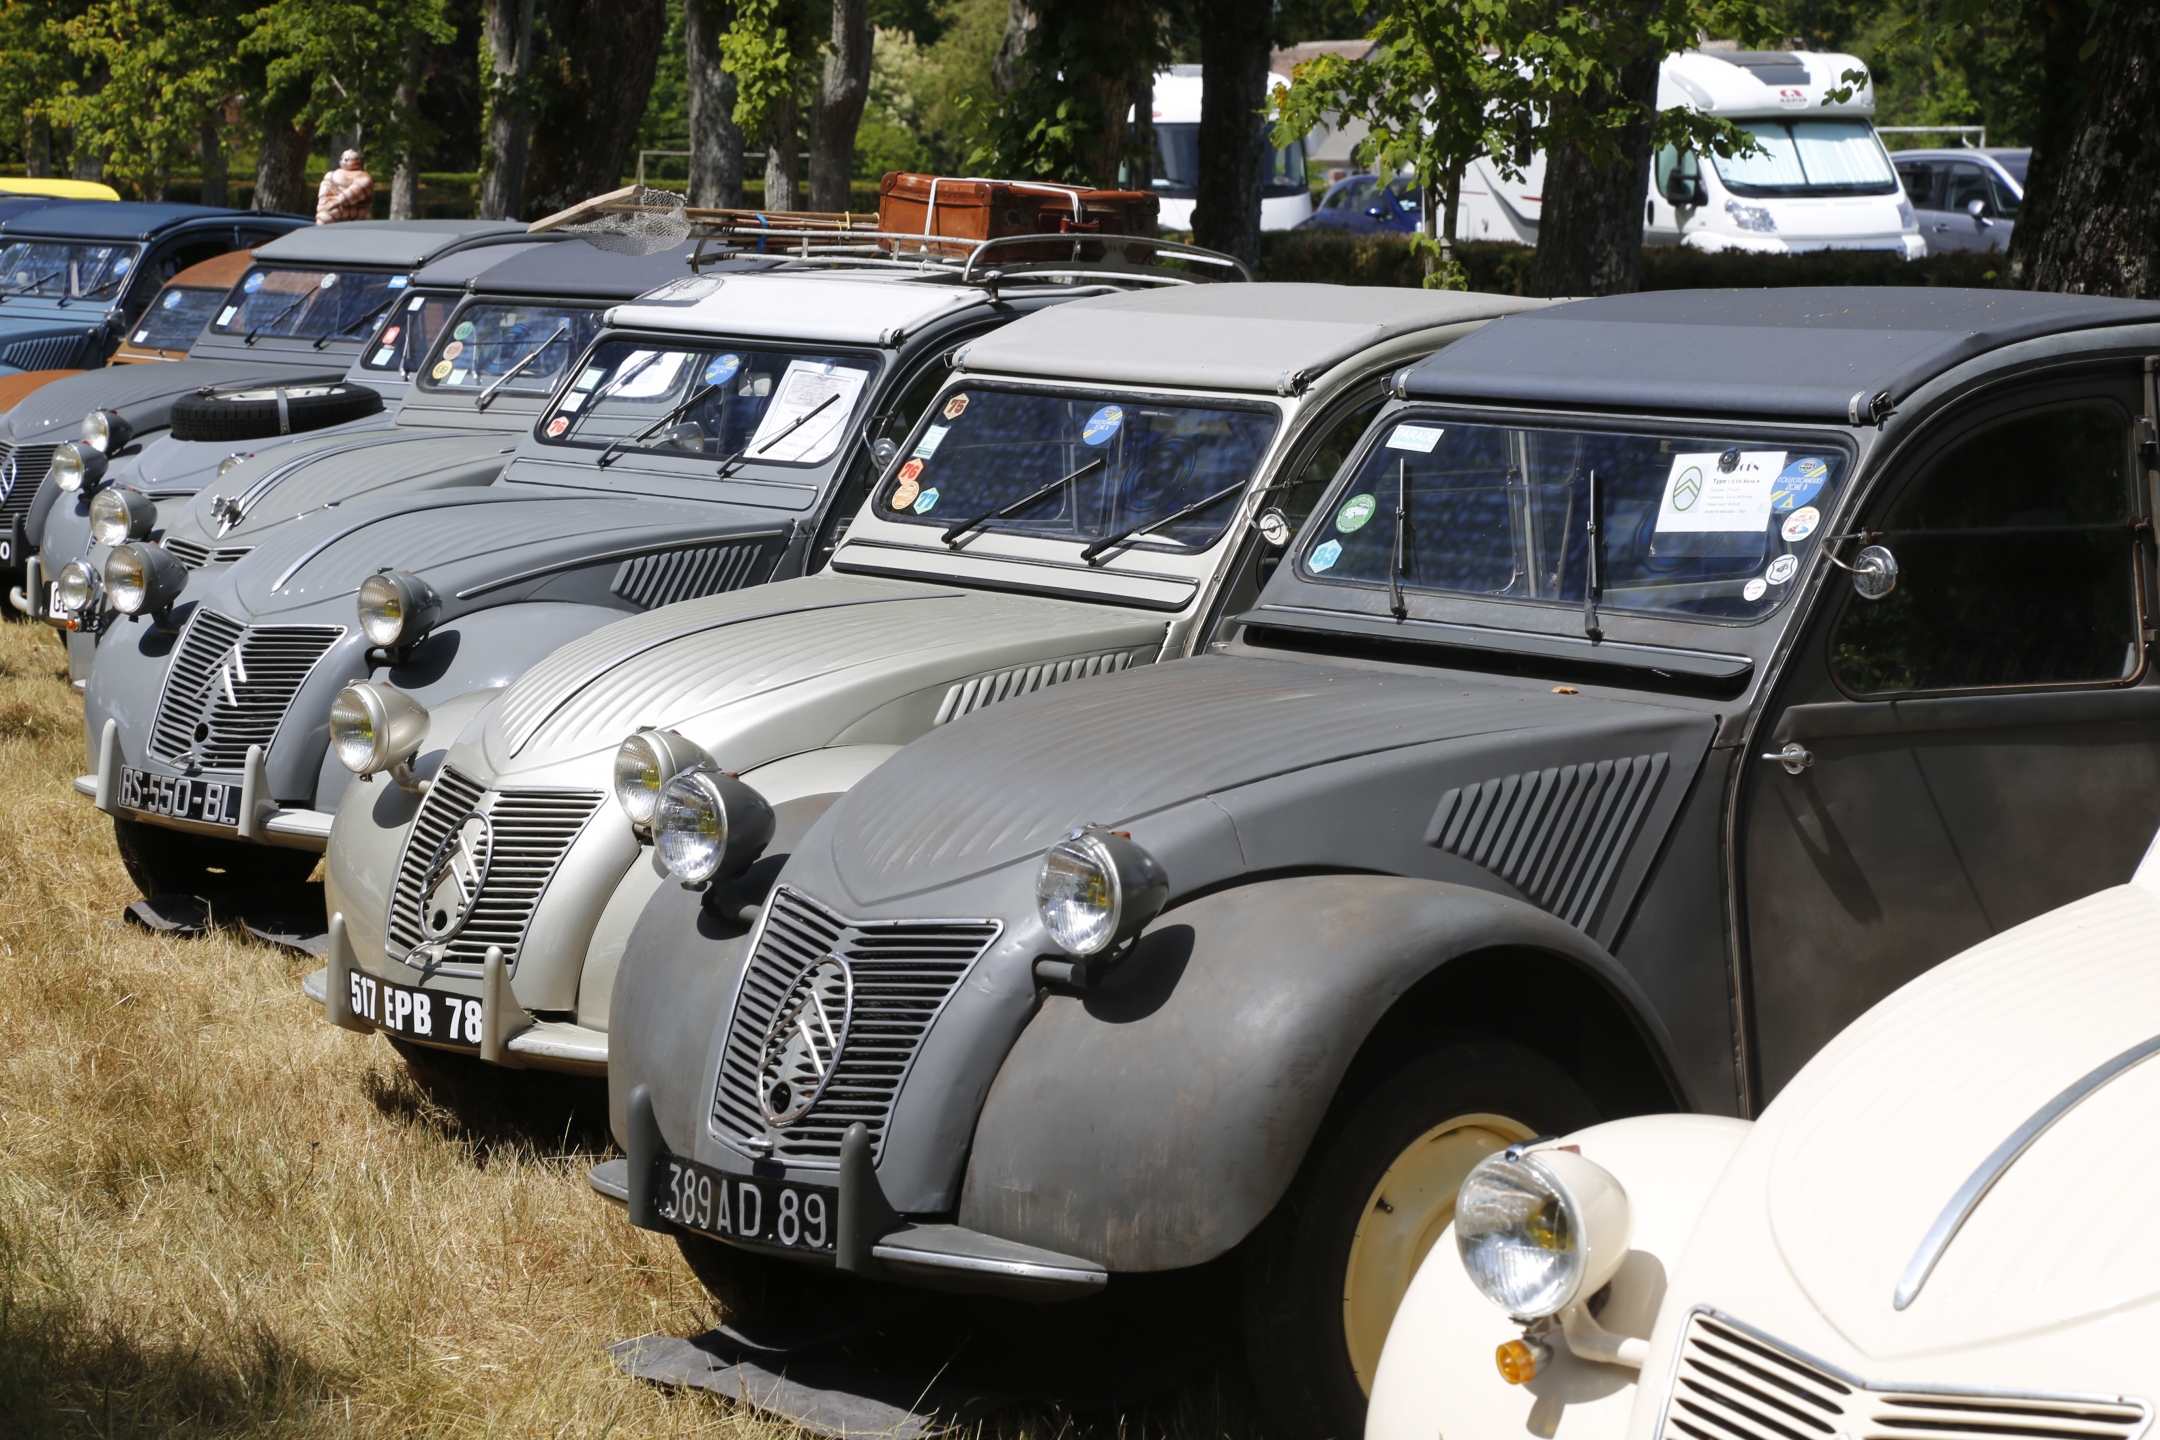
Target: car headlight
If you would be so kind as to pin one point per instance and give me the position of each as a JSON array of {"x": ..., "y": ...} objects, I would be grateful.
[
  {"x": 105, "y": 432},
  {"x": 142, "y": 579},
  {"x": 1751, "y": 217},
  {"x": 646, "y": 762},
  {"x": 374, "y": 727},
  {"x": 77, "y": 590},
  {"x": 1540, "y": 1230},
  {"x": 76, "y": 466},
  {"x": 397, "y": 608},
  {"x": 708, "y": 825},
  {"x": 118, "y": 516},
  {"x": 1096, "y": 888}
]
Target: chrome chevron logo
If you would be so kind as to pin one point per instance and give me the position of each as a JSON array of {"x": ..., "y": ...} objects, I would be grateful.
[{"x": 803, "y": 1042}]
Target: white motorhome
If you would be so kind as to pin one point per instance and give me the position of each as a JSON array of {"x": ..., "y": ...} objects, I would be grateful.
[
  {"x": 1285, "y": 198},
  {"x": 1819, "y": 178}
]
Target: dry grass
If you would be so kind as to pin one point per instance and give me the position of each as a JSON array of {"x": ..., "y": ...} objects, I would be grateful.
[{"x": 219, "y": 1216}]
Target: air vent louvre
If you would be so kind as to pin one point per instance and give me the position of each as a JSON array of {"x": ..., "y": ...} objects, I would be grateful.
[
  {"x": 229, "y": 686},
  {"x": 972, "y": 695},
  {"x": 650, "y": 581},
  {"x": 49, "y": 352},
  {"x": 194, "y": 554}
]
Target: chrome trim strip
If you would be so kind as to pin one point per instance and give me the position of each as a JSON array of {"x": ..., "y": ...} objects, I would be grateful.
[
  {"x": 1992, "y": 1169},
  {"x": 351, "y": 530}
]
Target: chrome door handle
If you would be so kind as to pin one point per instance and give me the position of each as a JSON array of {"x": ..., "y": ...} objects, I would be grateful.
[{"x": 1795, "y": 757}]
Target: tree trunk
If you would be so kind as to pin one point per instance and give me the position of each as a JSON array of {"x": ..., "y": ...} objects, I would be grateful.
[
  {"x": 215, "y": 170},
  {"x": 716, "y": 141},
  {"x": 782, "y": 144},
  {"x": 281, "y": 179},
  {"x": 1590, "y": 236},
  {"x": 1140, "y": 144},
  {"x": 1008, "y": 70},
  {"x": 842, "y": 91},
  {"x": 405, "y": 183},
  {"x": 37, "y": 149},
  {"x": 2073, "y": 231},
  {"x": 1234, "y": 47},
  {"x": 601, "y": 68},
  {"x": 89, "y": 165},
  {"x": 506, "y": 29},
  {"x": 1115, "y": 81}
]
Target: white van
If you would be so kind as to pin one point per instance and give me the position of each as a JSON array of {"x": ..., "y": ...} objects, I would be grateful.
[
  {"x": 1285, "y": 199},
  {"x": 1820, "y": 178}
]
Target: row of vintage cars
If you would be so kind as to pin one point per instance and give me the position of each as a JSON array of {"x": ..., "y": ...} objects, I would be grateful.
[{"x": 744, "y": 670}]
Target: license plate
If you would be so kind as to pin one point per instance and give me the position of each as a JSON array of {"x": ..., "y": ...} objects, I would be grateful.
[
  {"x": 763, "y": 1212},
  {"x": 180, "y": 797},
  {"x": 427, "y": 1015},
  {"x": 7, "y": 550}
]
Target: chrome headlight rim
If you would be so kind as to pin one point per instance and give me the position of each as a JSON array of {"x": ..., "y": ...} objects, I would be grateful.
[
  {"x": 709, "y": 825},
  {"x": 1486, "y": 1248},
  {"x": 106, "y": 431},
  {"x": 118, "y": 515},
  {"x": 397, "y": 609},
  {"x": 374, "y": 727},
  {"x": 76, "y": 467},
  {"x": 1134, "y": 887},
  {"x": 77, "y": 590},
  {"x": 143, "y": 579},
  {"x": 645, "y": 761}
]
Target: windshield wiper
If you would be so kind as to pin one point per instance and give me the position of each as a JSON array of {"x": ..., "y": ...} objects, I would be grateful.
[
  {"x": 295, "y": 303},
  {"x": 726, "y": 466},
  {"x": 1594, "y": 578},
  {"x": 1152, "y": 526},
  {"x": 607, "y": 456},
  {"x": 1402, "y": 523},
  {"x": 29, "y": 285},
  {"x": 952, "y": 537},
  {"x": 487, "y": 396},
  {"x": 341, "y": 334}
]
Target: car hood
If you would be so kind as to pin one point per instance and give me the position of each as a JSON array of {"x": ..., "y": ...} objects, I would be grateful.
[
  {"x": 1873, "y": 1138},
  {"x": 757, "y": 674},
  {"x": 1002, "y": 787},
  {"x": 166, "y": 466},
  {"x": 144, "y": 393}
]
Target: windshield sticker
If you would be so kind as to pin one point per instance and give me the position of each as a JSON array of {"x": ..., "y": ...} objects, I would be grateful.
[
  {"x": 904, "y": 493},
  {"x": 452, "y": 350},
  {"x": 590, "y": 378},
  {"x": 120, "y": 265},
  {"x": 956, "y": 407},
  {"x": 932, "y": 438},
  {"x": 1324, "y": 556},
  {"x": 1800, "y": 524},
  {"x": 141, "y": 335},
  {"x": 416, "y": 302},
  {"x": 1802, "y": 481},
  {"x": 329, "y": 280},
  {"x": 172, "y": 299},
  {"x": 1103, "y": 424},
  {"x": 912, "y": 470},
  {"x": 1782, "y": 569},
  {"x": 382, "y": 356},
  {"x": 722, "y": 369},
  {"x": 1354, "y": 513},
  {"x": 463, "y": 331},
  {"x": 557, "y": 425},
  {"x": 926, "y": 503},
  {"x": 225, "y": 316},
  {"x": 252, "y": 283},
  {"x": 442, "y": 368},
  {"x": 1420, "y": 438},
  {"x": 808, "y": 388},
  {"x": 458, "y": 376},
  {"x": 399, "y": 282},
  {"x": 1753, "y": 590},
  {"x": 389, "y": 336},
  {"x": 1704, "y": 494}
]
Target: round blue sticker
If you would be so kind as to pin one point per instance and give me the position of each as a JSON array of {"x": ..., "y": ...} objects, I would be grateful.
[
  {"x": 722, "y": 369},
  {"x": 926, "y": 502},
  {"x": 1798, "y": 483},
  {"x": 1103, "y": 424},
  {"x": 1324, "y": 556},
  {"x": 252, "y": 283},
  {"x": 172, "y": 300}
]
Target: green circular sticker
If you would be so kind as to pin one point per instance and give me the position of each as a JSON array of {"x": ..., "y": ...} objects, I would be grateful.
[
  {"x": 463, "y": 332},
  {"x": 1354, "y": 513}
]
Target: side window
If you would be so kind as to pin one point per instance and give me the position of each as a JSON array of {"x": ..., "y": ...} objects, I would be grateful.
[
  {"x": 892, "y": 426},
  {"x": 1968, "y": 183},
  {"x": 1919, "y": 182},
  {"x": 2016, "y": 564}
]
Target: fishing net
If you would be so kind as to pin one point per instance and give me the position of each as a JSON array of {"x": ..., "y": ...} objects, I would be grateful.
[{"x": 644, "y": 224}]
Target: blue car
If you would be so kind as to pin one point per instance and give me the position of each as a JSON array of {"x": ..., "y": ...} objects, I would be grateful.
[{"x": 1368, "y": 205}]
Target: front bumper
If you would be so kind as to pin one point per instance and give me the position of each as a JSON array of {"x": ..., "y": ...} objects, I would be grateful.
[{"x": 254, "y": 817}]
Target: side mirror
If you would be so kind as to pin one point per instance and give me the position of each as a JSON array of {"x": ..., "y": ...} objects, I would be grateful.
[
  {"x": 882, "y": 453},
  {"x": 1874, "y": 572},
  {"x": 1977, "y": 208},
  {"x": 1683, "y": 189},
  {"x": 1376, "y": 212}
]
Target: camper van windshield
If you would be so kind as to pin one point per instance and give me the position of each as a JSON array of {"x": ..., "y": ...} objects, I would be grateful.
[
  {"x": 1809, "y": 157},
  {"x": 1177, "y": 163}
]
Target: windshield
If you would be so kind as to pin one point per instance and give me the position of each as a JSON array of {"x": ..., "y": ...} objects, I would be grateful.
[
  {"x": 410, "y": 332},
  {"x": 1692, "y": 525},
  {"x": 1177, "y": 162},
  {"x": 1139, "y": 461},
  {"x": 715, "y": 399},
  {"x": 308, "y": 304},
  {"x": 1809, "y": 157},
  {"x": 177, "y": 318},
  {"x": 64, "y": 270},
  {"x": 528, "y": 348}
]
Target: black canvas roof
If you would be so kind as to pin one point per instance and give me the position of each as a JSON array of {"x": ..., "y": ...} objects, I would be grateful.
[
  {"x": 574, "y": 270},
  {"x": 1820, "y": 354}
]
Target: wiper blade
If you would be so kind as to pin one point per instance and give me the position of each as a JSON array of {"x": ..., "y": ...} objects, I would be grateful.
[
  {"x": 1402, "y": 523},
  {"x": 607, "y": 456},
  {"x": 323, "y": 340},
  {"x": 29, "y": 285},
  {"x": 295, "y": 303},
  {"x": 1594, "y": 579},
  {"x": 1152, "y": 526},
  {"x": 952, "y": 536},
  {"x": 487, "y": 396},
  {"x": 726, "y": 466}
]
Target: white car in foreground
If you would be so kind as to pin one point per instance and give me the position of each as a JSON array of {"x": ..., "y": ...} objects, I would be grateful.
[{"x": 1934, "y": 1231}]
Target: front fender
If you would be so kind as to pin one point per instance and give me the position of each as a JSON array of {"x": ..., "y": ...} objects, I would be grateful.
[
  {"x": 1153, "y": 1122},
  {"x": 1436, "y": 1374}
]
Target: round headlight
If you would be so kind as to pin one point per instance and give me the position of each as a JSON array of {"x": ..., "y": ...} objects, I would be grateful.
[
  {"x": 1096, "y": 889},
  {"x": 77, "y": 590},
  {"x": 375, "y": 726},
  {"x": 76, "y": 466},
  {"x": 709, "y": 826},
  {"x": 1539, "y": 1231},
  {"x": 105, "y": 432},
  {"x": 142, "y": 579},
  {"x": 118, "y": 516},
  {"x": 647, "y": 761},
  {"x": 397, "y": 608}
]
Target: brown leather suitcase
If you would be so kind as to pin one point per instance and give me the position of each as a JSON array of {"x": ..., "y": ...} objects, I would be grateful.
[{"x": 976, "y": 209}]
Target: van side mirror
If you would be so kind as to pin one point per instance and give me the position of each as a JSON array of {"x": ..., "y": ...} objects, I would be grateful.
[
  {"x": 1682, "y": 188},
  {"x": 1977, "y": 208}
]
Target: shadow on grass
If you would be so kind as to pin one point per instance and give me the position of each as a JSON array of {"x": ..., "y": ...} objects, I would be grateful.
[{"x": 489, "y": 1109}]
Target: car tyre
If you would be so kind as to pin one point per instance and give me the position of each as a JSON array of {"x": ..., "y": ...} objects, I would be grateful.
[
  {"x": 255, "y": 414},
  {"x": 175, "y": 862},
  {"x": 1325, "y": 1272}
]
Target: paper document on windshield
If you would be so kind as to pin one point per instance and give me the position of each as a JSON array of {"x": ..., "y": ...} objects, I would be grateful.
[
  {"x": 804, "y": 386},
  {"x": 1704, "y": 492}
]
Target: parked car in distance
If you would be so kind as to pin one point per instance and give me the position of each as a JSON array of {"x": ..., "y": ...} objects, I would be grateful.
[
  {"x": 1285, "y": 195},
  {"x": 1162, "y": 435},
  {"x": 1664, "y": 679},
  {"x": 1368, "y": 205},
  {"x": 1884, "y": 1252},
  {"x": 1964, "y": 199}
]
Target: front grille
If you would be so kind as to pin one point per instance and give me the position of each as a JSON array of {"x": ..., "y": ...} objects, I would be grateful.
[
  {"x": 49, "y": 352},
  {"x": 532, "y": 829},
  {"x": 229, "y": 686},
  {"x": 21, "y": 471},
  {"x": 650, "y": 581},
  {"x": 194, "y": 555},
  {"x": 903, "y": 973},
  {"x": 972, "y": 695},
  {"x": 1732, "y": 1382}
]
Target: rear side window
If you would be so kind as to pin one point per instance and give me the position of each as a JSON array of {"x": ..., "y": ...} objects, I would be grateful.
[{"x": 2016, "y": 564}]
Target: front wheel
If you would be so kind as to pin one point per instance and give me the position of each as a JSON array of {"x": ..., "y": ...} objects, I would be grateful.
[
  {"x": 1331, "y": 1265},
  {"x": 175, "y": 862}
]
